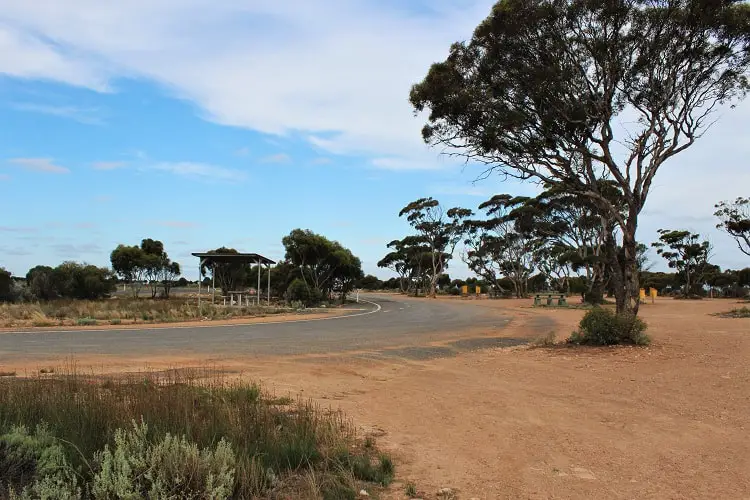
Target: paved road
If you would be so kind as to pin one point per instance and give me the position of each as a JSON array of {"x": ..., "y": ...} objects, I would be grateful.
[{"x": 385, "y": 325}]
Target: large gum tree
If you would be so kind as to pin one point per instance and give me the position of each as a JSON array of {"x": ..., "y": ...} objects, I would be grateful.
[{"x": 570, "y": 92}]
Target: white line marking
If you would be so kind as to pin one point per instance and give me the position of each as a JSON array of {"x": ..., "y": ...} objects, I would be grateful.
[{"x": 377, "y": 309}]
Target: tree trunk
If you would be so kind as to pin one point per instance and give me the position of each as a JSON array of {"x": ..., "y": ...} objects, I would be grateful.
[{"x": 630, "y": 273}]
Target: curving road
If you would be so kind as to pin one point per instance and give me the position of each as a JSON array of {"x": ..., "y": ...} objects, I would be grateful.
[{"x": 387, "y": 325}]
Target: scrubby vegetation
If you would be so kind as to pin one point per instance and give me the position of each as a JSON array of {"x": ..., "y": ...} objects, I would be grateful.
[
  {"x": 602, "y": 326},
  {"x": 175, "y": 436},
  {"x": 741, "y": 312},
  {"x": 120, "y": 311}
]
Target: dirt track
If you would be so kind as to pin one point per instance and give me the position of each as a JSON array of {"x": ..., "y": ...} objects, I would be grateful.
[{"x": 668, "y": 421}]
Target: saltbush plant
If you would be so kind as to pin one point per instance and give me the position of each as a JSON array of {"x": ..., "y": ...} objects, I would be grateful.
[
  {"x": 602, "y": 326},
  {"x": 174, "y": 435}
]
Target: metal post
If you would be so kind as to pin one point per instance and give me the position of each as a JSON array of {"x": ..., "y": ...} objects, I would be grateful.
[
  {"x": 200, "y": 268},
  {"x": 269, "y": 284},
  {"x": 257, "y": 292},
  {"x": 213, "y": 282}
]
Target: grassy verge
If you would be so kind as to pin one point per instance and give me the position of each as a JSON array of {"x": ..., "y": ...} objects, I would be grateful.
[
  {"x": 120, "y": 311},
  {"x": 175, "y": 436},
  {"x": 741, "y": 312}
]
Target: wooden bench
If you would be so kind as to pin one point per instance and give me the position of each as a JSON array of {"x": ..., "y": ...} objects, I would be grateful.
[{"x": 561, "y": 299}]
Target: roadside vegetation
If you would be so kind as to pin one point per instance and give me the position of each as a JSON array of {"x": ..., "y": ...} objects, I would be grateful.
[
  {"x": 175, "y": 435},
  {"x": 740, "y": 312},
  {"x": 315, "y": 271},
  {"x": 123, "y": 311},
  {"x": 602, "y": 326}
]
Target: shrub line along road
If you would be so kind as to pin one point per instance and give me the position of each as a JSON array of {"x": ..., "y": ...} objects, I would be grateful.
[{"x": 389, "y": 322}]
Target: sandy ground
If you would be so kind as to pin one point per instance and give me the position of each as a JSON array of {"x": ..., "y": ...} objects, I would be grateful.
[{"x": 667, "y": 422}]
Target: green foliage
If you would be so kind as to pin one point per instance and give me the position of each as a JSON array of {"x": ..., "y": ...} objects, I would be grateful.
[
  {"x": 86, "y": 322},
  {"x": 437, "y": 233},
  {"x": 298, "y": 291},
  {"x": 34, "y": 465},
  {"x": 325, "y": 265},
  {"x": 370, "y": 282},
  {"x": 170, "y": 467},
  {"x": 686, "y": 253},
  {"x": 40, "y": 283},
  {"x": 198, "y": 436},
  {"x": 229, "y": 276},
  {"x": 379, "y": 470},
  {"x": 6, "y": 286},
  {"x": 147, "y": 262},
  {"x": 411, "y": 490},
  {"x": 735, "y": 221},
  {"x": 602, "y": 326},
  {"x": 82, "y": 281},
  {"x": 742, "y": 312}
]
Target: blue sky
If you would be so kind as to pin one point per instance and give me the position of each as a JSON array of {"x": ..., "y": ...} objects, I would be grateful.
[{"x": 205, "y": 125}]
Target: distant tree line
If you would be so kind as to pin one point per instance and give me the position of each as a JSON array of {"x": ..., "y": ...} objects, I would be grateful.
[
  {"x": 314, "y": 269},
  {"x": 555, "y": 241}
]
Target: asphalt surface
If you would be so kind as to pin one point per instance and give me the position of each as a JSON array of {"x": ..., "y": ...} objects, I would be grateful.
[{"x": 383, "y": 326}]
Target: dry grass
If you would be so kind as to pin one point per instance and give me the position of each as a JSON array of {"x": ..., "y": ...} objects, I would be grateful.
[
  {"x": 296, "y": 449},
  {"x": 120, "y": 311},
  {"x": 741, "y": 312}
]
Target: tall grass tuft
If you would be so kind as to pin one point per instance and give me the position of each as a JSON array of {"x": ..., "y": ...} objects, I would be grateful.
[{"x": 193, "y": 423}]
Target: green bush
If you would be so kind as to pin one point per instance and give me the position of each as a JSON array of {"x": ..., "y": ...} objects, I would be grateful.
[
  {"x": 177, "y": 447},
  {"x": 35, "y": 466},
  {"x": 602, "y": 326},
  {"x": 168, "y": 468},
  {"x": 299, "y": 291}
]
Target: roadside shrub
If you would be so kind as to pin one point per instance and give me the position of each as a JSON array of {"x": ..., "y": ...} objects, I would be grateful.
[
  {"x": 171, "y": 467},
  {"x": 298, "y": 291},
  {"x": 6, "y": 286},
  {"x": 602, "y": 326},
  {"x": 548, "y": 340},
  {"x": 86, "y": 322},
  {"x": 35, "y": 466},
  {"x": 198, "y": 436},
  {"x": 742, "y": 312}
]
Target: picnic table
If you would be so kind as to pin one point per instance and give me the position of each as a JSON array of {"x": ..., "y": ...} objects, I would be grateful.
[{"x": 561, "y": 299}]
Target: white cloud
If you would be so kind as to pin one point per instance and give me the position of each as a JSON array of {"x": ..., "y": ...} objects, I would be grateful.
[
  {"x": 337, "y": 72},
  {"x": 108, "y": 165},
  {"x": 277, "y": 158},
  {"x": 201, "y": 171},
  {"x": 88, "y": 116},
  {"x": 39, "y": 165},
  {"x": 25, "y": 55}
]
